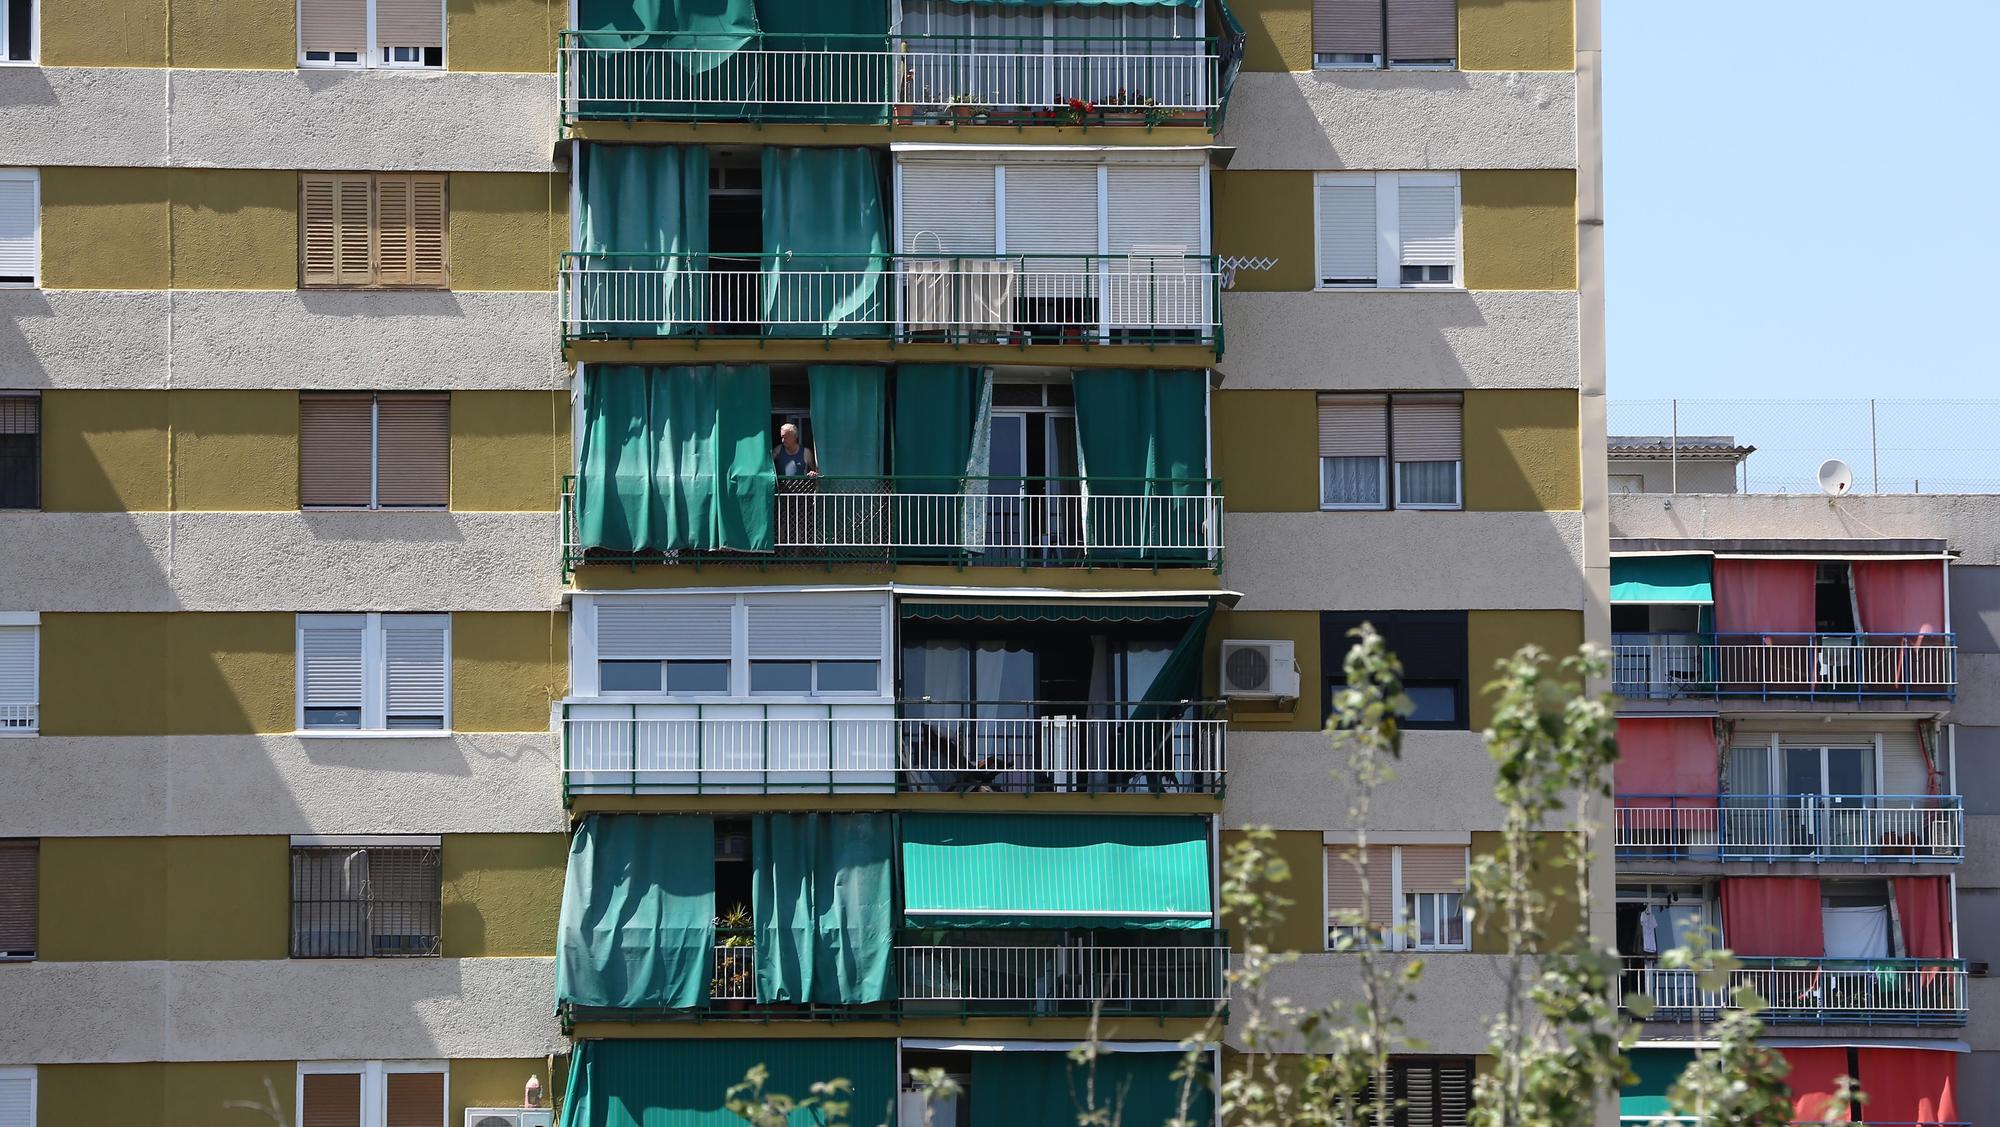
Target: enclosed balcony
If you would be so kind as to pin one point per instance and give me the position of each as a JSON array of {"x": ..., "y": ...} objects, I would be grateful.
[
  {"x": 943, "y": 63},
  {"x": 1813, "y": 991},
  {"x": 1805, "y": 666},
  {"x": 1892, "y": 828}
]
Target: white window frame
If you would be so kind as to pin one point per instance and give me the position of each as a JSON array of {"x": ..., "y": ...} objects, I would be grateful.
[
  {"x": 31, "y": 620},
  {"x": 34, "y": 58},
  {"x": 1457, "y": 503},
  {"x": 1388, "y": 232},
  {"x": 1403, "y": 940},
  {"x": 29, "y": 1074},
  {"x": 1399, "y": 937},
  {"x": 1382, "y": 484},
  {"x": 371, "y": 56},
  {"x": 815, "y": 663},
  {"x": 1374, "y": 61},
  {"x": 374, "y": 1084},
  {"x": 33, "y": 178},
  {"x": 1389, "y": 481},
  {"x": 374, "y": 679},
  {"x": 584, "y": 650}
]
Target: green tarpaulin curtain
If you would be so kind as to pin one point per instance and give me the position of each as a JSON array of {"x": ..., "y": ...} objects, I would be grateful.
[
  {"x": 825, "y": 244},
  {"x": 1179, "y": 678},
  {"x": 637, "y": 928},
  {"x": 1662, "y": 579},
  {"x": 1044, "y": 1088},
  {"x": 666, "y": 58},
  {"x": 1054, "y": 871},
  {"x": 676, "y": 458},
  {"x": 1079, "y": 611},
  {"x": 829, "y": 60},
  {"x": 1144, "y": 435},
  {"x": 644, "y": 233},
  {"x": 944, "y": 416},
  {"x": 821, "y": 893},
  {"x": 685, "y": 1082},
  {"x": 850, "y": 407},
  {"x": 1656, "y": 1071}
]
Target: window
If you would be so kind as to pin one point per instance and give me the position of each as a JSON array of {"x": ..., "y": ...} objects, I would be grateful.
[
  {"x": 807, "y": 678},
  {"x": 17, "y": 1097},
  {"x": 397, "y": 1093},
  {"x": 1428, "y": 1091},
  {"x": 374, "y": 672},
  {"x": 1362, "y": 436},
  {"x": 1369, "y": 34},
  {"x": 750, "y": 645},
  {"x": 20, "y": 227},
  {"x": 356, "y": 898},
  {"x": 1432, "y": 648},
  {"x": 377, "y": 230},
  {"x": 362, "y": 451},
  {"x": 1415, "y": 899},
  {"x": 20, "y": 673},
  {"x": 20, "y": 450},
  {"x": 17, "y": 31},
  {"x": 20, "y": 885},
  {"x": 371, "y": 33},
  {"x": 1387, "y": 230}
]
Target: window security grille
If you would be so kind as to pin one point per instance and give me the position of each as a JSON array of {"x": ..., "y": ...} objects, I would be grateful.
[
  {"x": 20, "y": 451},
  {"x": 351, "y": 902}
]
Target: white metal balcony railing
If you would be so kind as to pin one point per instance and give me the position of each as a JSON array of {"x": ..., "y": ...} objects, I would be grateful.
[
  {"x": 1918, "y": 828},
  {"x": 21, "y": 716},
  {"x": 944, "y": 79},
  {"x": 723, "y": 749},
  {"x": 1158, "y": 295},
  {"x": 1047, "y": 976},
  {"x": 1814, "y": 991},
  {"x": 1814, "y": 666}
]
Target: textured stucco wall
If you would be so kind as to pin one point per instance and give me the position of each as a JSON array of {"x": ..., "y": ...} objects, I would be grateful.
[
  {"x": 234, "y": 450},
  {"x": 1522, "y": 451},
  {"x": 1516, "y": 34},
  {"x": 317, "y": 560},
  {"x": 135, "y": 898},
  {"x": 326, "y": 340},
  {"x": 1265, "y": 215},
  {"x": 502, "y": 893},
  {"x": 1371, "y": 339},
  {"x": 1457, "y": 998},
  {"x": 105, "y": 228},
  {"x": 509, "y": 450},
  {"x": 278, "y": 118},
  {"x": 192, "y": 673},
  {"x": 1366, "y": 120},
  {"x": 1493, "y": 635},
  {"x": 507, "y": 668},
  {"x": 1266, "y": 449},
  {"x": 259, "y": 1010},
  {"x": 508, "y": 230},
  {"x": 1405, "y": 561},
  {"x": 104, "y": 452},
  {"x": 1970, "y": 524},
  {"x": 1520, "y": 229},
  {"x": 503, "y": 35},
  {"x": 1297, "y": 780},
  {"x": 76, "y": 786},
  {"x": 1661, "y": 476},
  {"x": 154, "y": 1094}
]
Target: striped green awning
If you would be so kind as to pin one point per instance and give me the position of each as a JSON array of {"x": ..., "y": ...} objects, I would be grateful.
[
  {"x": 1661, "y": 579},
  {"x": 1078, "y": 611},
  {"x": 1655, "y": 1070},
  {"x": 1055, "y": 871}
]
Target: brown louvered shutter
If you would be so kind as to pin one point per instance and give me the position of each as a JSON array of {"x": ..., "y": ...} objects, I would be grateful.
[
  {"x": 429, "y": 206},
  {"x": 1435, "y": 1093},
  {"x": 1427, "y": 428},
  {"x": 1343, "y": 884},
  {"x": 393, "y": 236},
  {"x": 319, "y": 230},
  {"x": 18, "y": 884},
  {"x": 1353, "y": 426},
  {"x": 1423, "y": 31},
  {"x": 1347, "y": 27},
  {"x": 415, "y": 1099},
  {"x": 409, "y": 23},
  {"x": 333, "y": 25},
  {"x": 331, "y": 1099},
  {"x": 354, "y": 207},
  {"x": 336, "y": 450},
  {"x": 414, "y": 451},
  {"x": 1433, "y": 868}
]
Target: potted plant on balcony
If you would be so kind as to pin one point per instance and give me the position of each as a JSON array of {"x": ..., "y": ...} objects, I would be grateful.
[
  {"x": 1079, "y": 111},
  {"x": 964, "y": 108},
  {"x": 1125, "y": 109},
  {"x": 735, "y": 962}
]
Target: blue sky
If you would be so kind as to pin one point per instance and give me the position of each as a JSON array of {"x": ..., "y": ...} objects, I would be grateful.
[{"x": 1800, "y": 199}]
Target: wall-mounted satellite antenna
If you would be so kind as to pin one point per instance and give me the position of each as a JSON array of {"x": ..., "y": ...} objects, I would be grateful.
[{"x": 1835, "y": 478}]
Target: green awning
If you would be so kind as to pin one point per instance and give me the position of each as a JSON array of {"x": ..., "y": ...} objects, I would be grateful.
[
  {"x": 1661, "y": 579},
  {"x": 685, "y": 1082},
  {"x": 1656, "y": 1070},
  {"x": 1055, "y": 871},
  {"x": 1078, "y": 611},
  {"x": 1043, "y": 1086}
]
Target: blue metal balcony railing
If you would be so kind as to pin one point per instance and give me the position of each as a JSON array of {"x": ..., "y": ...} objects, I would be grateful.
[
  {"x": 1813, "y": 991},
  {"x": 1907, "y": 828},
  {"x": 1865, "y": 666}
]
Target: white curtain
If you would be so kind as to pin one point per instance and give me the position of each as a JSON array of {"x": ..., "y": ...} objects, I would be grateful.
[{"x": 1856, "y": 933}]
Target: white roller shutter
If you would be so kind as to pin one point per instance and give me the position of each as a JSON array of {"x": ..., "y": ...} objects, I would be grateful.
[
  {"x": 415, "y": 657},
  {"x": 1427, "y": 220},
  {"x": 1904, "y": 769},
  {"x": 655, "y": 630},
  {"x": 948, "y": 209},
  {"x": 1153, "y": 223},
  {"x": 20, "y": 223},
  {"x": 19, "y": 677},
  {"x": 17, "y": 1097},
  {"x": 1427, "y": 427},
  {"x": 1347, "y": 230},
  {"x": 800, "y": 631},
  {"x": 1149, "y": 206},
  {"x": 1353, "y": 426},
  {"x": 1051, "y": 209},
  {"x": 331, "y": 648}
]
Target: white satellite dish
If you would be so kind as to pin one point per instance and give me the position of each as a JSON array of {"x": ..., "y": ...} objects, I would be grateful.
[{"x": 1835, "y": 478}]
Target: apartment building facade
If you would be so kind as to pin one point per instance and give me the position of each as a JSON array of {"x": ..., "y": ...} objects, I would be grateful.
[
  {"x": 1803, "y": 729},
  {"x": 627, "y": 543}
]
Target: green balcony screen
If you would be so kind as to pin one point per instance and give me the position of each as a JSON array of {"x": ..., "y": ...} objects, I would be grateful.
[
  {"x": 820, "y": 894},
  {"x": 1142, "y": 434},
  {"x": 1662, "y": 579},
  {"x": 686, "y": 1082},
  {"x": 1655, "y": 1070},
  {"x": 637, "y": 929},
  {"x": 1055, "y": 871},
  {"x": 1046, "y": 1087}
]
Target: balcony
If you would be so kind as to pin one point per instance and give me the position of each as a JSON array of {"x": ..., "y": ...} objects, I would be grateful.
[
  {"x": 1005, "y": 521},
  {"x": 625, "y": 749},
  {"x": 1814, "y": 991},
  {"x": 951, "y": 80},
  {"x": 1811, "y": 667},
  {"x": 1155, "y": 296},
  {"x": 1896, "y": 828}
]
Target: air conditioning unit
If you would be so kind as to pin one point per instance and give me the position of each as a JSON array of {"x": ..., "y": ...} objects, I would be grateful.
[
  {"x": 508, "y": 1117},
  {"x": 1260, "y": 670}
]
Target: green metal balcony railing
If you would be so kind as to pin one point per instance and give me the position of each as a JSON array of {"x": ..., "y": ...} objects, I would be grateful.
[
  {"x": 1152, "y": 296},
  {"x": 958, "y": 80}
]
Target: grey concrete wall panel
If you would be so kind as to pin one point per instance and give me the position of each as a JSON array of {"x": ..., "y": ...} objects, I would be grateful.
[
  {"x": 110, "y": 116},
  {"x": 1969, "y": 523},
  {"x": 1324, "y": 120},
  {"x": 1975, "y": 607},
  {"x": 1369, "y": 340},
  {"x": 1405, "y": 561},
  {"x": 1299, "y": 781}
]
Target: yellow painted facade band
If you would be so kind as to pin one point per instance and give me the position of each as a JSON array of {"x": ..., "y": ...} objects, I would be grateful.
[
  {"x": 502, "y": 893},
  {"x": 104, "y": 451},
  {"x": 1492, "y": 34},
  {"x": 508, "y": 230},
  {"x": 180, "y": 673},
  {"x": 509, "y": 450},
  {"x": 1549, "y": 873},
  {"x": 1493, "y": 635},
  {"x": 1303, "y": 852},
  {"x": 1520, "y": 228},
  {"x": 236, "y": 1093},
  {"x": 110, "y": 899},
  {"x": 503, "y": 35},
  {"x": 1523, "y": 451},
  {"x": 507, "y": 668},
  {"x": 1266, "y": 214},
  {"x": 1301, "y": 628}
]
